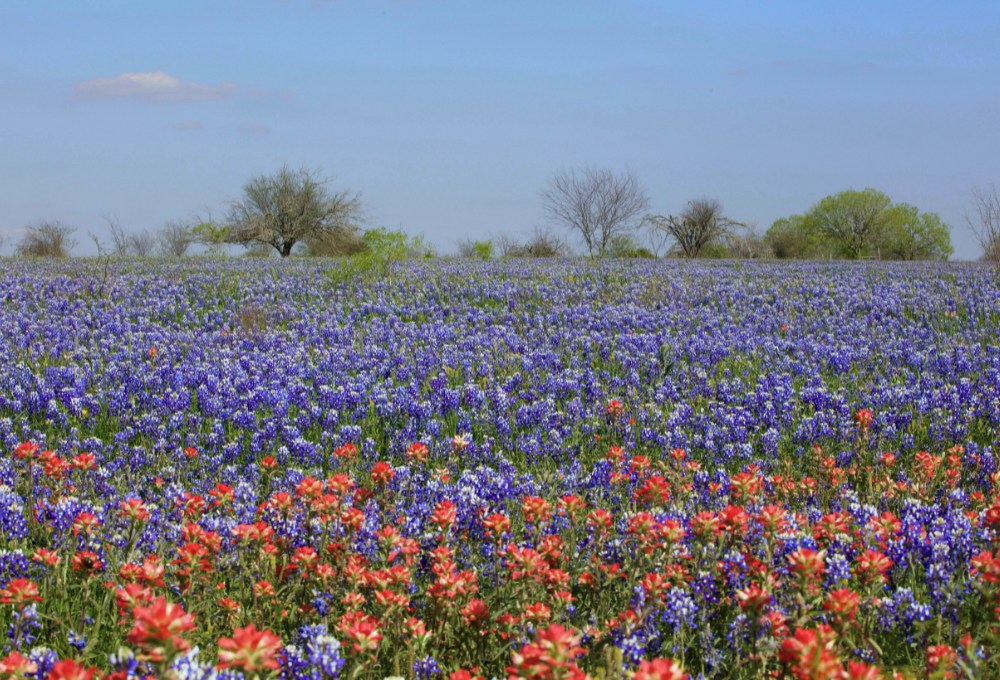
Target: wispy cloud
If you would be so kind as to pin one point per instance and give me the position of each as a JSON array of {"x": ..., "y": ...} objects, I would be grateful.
[
  {"x": 739, "y": 72},
  {"x": 186, "y": 125},
  {"x": 151, "y": 86},
  {"x": 254, "y": 129}
]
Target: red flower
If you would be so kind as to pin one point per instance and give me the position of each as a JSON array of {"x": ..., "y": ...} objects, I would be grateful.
[
  {"x": 552, "y": 654},
  {"x": 754, "y": 597},
  {"x": 20, "y": 592},
  {"x": 536, "y": 509},
  {"x": 382, "y": 473},
  {"x": 67, "y": 669},
  {"x": 476, "y": 613},
  {"x": 497, "y": 524},
  {"x": 417, "y": 451},
  {"x": 614, "y": 408},
  {"x": 660, "y": 669},
  {"x": 444, "y": 516},
  {"x": 249, "y": 649},
  {"x": 87, "y": 562},
  {"x": 158, "y": 629},
  {"x": 810, "y": 565},
  {"x": 809, "y": 654},
  {"x": 134, "y": 509},
  {"x": 84, "y": 461},
  {"x": 365, "y": 635},
  {"x": 872, "y": 566},
  {"x": 941, "y": 660},
  {"x": 16, "y": 666},
  {"x": 842, "y": 603},
  {"x": 864, "y": 418}
]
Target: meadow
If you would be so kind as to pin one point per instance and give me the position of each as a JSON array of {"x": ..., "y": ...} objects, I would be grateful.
[{"x": 251, "y": 468}]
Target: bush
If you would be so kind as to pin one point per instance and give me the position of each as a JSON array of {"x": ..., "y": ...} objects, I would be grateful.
[
  {"x": 541, "y": 244},
  {"x": 480, "y": 250},
  {"x": 46, "y": 239}
]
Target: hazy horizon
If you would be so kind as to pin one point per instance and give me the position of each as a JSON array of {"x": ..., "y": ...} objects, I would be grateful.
[{"x": 451, "y": 117}]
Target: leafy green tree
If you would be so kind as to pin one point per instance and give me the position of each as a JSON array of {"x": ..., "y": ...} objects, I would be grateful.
[
  {"x": 790, "y": 239},
  {"x": 913, "y": 235},
  {"x": 212, "y": 235},
  {"x": 854, "y": 223}
]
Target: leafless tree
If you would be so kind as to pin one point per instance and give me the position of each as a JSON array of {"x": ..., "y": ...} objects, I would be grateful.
[
  {"x": 141, "y": 244},
  {"x": 46, "y": 239},
  {"x": 119, "y": 239},
  {"x": 174, "y": 239},
  {"x": 289, "y": 207},
  {"x": 985, "y": 221},
  {"x": 748, "y": 245},
  {"x": 541, "y": 244},
  {"x": 699, "y": 224},
  {"x": 595, "y": 203}
]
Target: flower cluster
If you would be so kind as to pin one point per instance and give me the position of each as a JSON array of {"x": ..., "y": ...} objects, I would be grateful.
[{"x": 514, "y": 470}]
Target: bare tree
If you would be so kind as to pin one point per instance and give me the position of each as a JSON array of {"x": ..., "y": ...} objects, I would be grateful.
[
  {"x": 141, "y": 244},
  {"x": 748, "y": 245},
  {"x": 289, "y": 207},
  {"x": 699, "y": 224},
  {"x": 174, "y": 239},
  {"x": 985, "y": 222},
  {"x": 46, "y": 239},
  {"x": 541, "y": 244},
  {"x": 119, "y": 239},
  {"x": 595, "y": 203}
]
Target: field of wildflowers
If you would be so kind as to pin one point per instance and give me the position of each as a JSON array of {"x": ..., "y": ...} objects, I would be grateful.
[{"x": 225, "y": 469}]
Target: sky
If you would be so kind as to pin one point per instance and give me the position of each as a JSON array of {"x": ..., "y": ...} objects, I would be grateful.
[{"x": 451, "y": 116}]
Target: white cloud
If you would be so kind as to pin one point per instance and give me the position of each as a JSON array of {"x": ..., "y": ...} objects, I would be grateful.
[{"x": 152, "y": 86}]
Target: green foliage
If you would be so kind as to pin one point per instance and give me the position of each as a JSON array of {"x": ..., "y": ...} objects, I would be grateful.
[
  {"x": 483, "y": 249},
  {"x": 789, "y": 239},
  {"x": 855, "y": 224},
  {"x": 383, "y": 250},
  {"x": 913, "y": 235},
  {"x": 623, "y": 246},
  {"x": 211, "y": 234}
]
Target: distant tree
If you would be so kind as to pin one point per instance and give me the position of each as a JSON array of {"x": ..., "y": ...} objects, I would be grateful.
[
  {"x": 119, "y": 239},
  {"x": 985, "y": 221},
  {"x": 478, "y": 250},
  {"x": 748, "y": 244},
  {"x": 913, "y": 235},
  {"x": 623, "y": 246},
  {"x": 211, "y": 234},
  {"x": 141, "y": 244},
  {"x": 853, "y": 224},
  {"x": 699, "y": 225},
  {"x": 542, "y": 244},
  {"x": 596, "y": 204},
  {"x": 789, "y": 238},
  {"x": 174, "y": 239},
  {"x": 338, "y": 243},
  {"x": 394, "y": 244},
  {"x": 289, "y": 207},
  {"x": 46, "y": 239},
  {"x": 851, "y": 220}
]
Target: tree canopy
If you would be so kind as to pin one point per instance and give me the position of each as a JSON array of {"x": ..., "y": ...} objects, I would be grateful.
[
  {"x": 289, "y": 207},
  {"x": 854, "y": 224}
]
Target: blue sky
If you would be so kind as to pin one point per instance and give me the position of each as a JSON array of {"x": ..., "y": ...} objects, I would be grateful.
[{"x": 450, "y": 116}]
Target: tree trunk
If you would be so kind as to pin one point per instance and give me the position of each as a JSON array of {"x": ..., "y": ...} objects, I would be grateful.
[{"x": 286, "y": 249}]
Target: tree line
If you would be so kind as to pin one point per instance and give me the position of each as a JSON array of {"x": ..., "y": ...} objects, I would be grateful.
[{"x": 295, "y": 211}]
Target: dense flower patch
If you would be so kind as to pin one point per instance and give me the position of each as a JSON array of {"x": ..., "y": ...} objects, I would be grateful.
[{"x": 250, "y": 469}]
